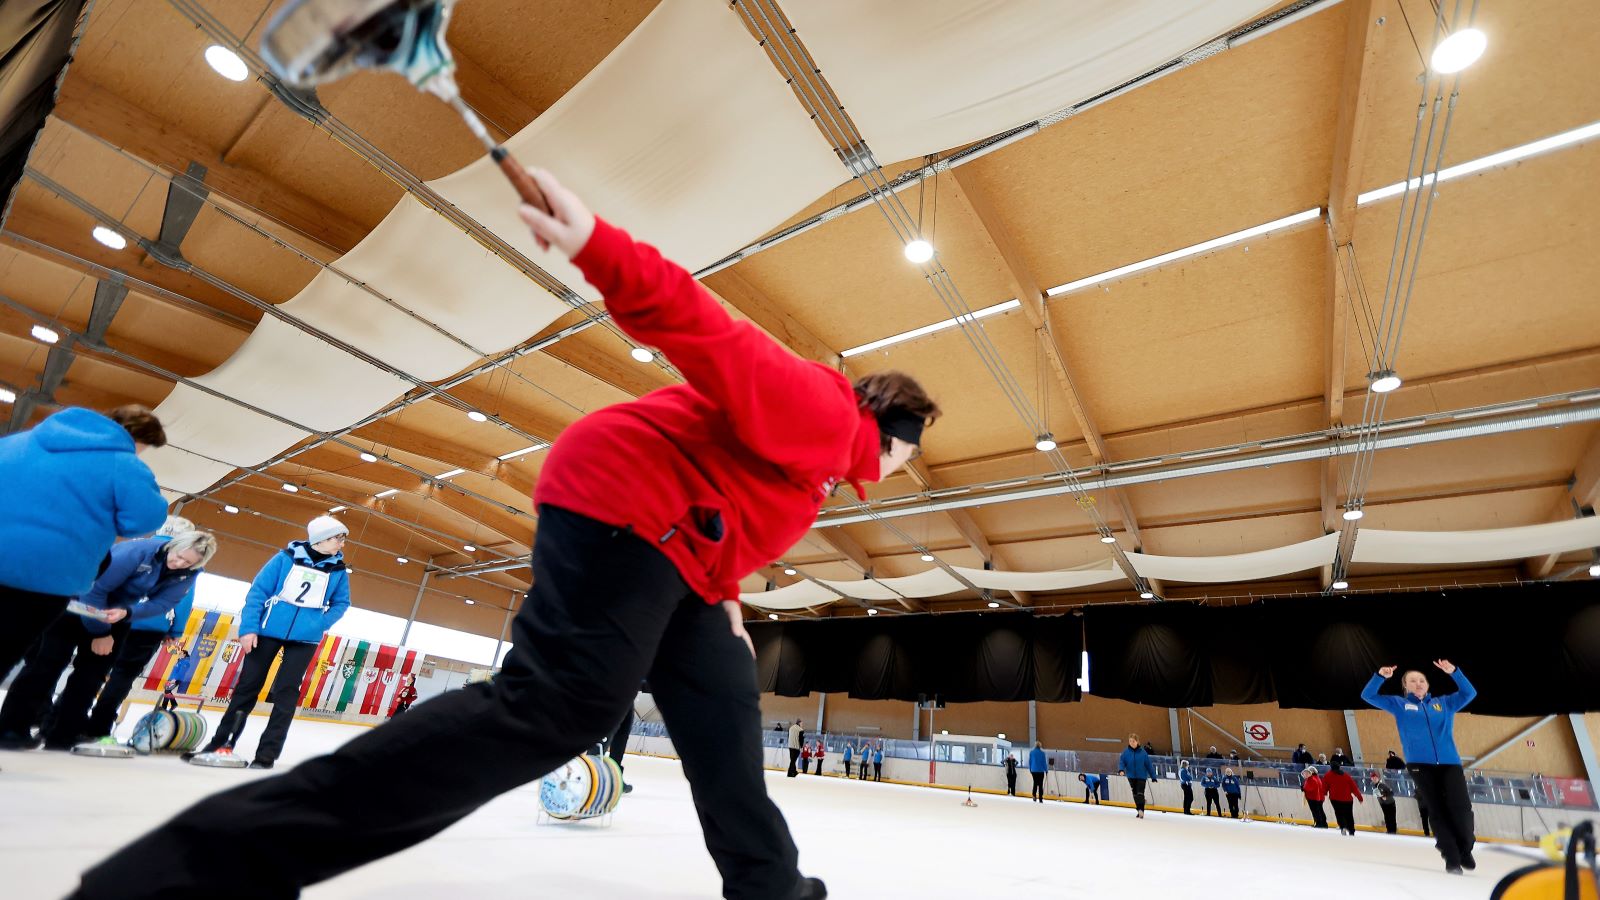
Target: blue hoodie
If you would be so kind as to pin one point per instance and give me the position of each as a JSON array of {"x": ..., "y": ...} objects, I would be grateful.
[
  {"x": 847, "y": 753},
  {"x": 1135, "y": 763},
  {"x": 1427, "y": 725},
  {"x": 1230, "y": 785},
  {"x": 1209, "y": 781},
  {"x": 1036, "y": 761},
  {"x": 1185, "y": 775},
  {"x": 267, "y": 607},
  {"x": 69, "y": 488},
  {"x": 139, "y": 581}
]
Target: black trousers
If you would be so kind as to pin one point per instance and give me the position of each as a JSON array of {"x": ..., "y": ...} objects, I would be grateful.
[
  {"x": 847, "y": 768},
  {"x": 1188, "y": 799},
  {"x": 1038, "y": 786},
  {"x": 1137, "y": 786},
  {"x": 617, "y": 743},
  {"x": 134, "y": 653},
  {"x": 606, "y": 610},
  {"x": 64, "y": 641},
  {"x": 1443, "y": 789},
  {"x": 1233, "y": 805},
  {"x": 285, "y": 695},
  {"x": 1344, "y": 815},
  {"x": 877, "y": 770},
  {"x": 1389, "y": 823},
  {"x": 1213, "y": 801},
  {"x": 1319, "y": 816},
  {"x": 28, "y": 614},
  {"x": 794, "y": 760},
  {"x": 1422, "y": 813},
  {"x": 1011, "y": 784}
]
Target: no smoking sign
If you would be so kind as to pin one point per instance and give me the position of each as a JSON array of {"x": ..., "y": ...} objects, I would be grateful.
[{"x": 1258, "y": 734}]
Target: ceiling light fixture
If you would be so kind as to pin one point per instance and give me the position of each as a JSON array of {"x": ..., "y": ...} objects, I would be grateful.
[
  {"x": 1351, "y": 515},
  {"x": 369, "y": 457},
  {"x": 230, "y": 509},
  {"x": 872, "y": 612},
  {"x": 927, "y": 557},
  {"x": 44, "y": 334},
  {"x": 110, "y": 237},
  {"x": 1340, "y": 585},
  {"x": 1523, "y": 151},
  {"x": 1458, "y": 51},
  {"x": 994, "y": 604},
  {"x": 1108, "y": 539},
  {"x": 772, "y": 616},
  {"x": 919, "y": 251},
  {"x": 291, "y": 488},
  {"x": 1147, "y": 595},
  {"x": 401, "y": 560},
  {"x": 476, "y": 416},
  {"x": 1594, "y": 571},
  {"x": 469, "y": 548},
  {"x": 640, "y": 354},
  {"x": 789, "y": 571},
  {"x": 1384, "y": 381},
  {"x": 1045, "y": 443},
  {"x": 7, "y": 395},
  {"x": 337, "y": 509},
  {"x": 523, "y": 452},
  {"x": 930, "y": 329},
  {"x": 226, "y": 63},
  {"x": 450, "y": 474},
  {"x": 469, "y": 601},
  {"x": 389, "y": 493}
]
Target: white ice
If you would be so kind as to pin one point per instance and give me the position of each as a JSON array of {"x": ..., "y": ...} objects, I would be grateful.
[{"x": 60, "y": 813}]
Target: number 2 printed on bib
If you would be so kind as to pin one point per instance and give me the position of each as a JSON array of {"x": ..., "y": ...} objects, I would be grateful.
[{"x": 305, "y": 587}]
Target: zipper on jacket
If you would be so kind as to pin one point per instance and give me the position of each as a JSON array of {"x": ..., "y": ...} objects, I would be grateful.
[{"x": 1429, "y": 721}]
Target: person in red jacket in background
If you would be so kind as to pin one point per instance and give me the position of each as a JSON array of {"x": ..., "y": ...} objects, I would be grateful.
[
  {"x": 405, "y": 696},
  {"x": 1344, "y": 794},
  {"x": 650, "y": 512},
  {"x": 1316, "y": 791}
]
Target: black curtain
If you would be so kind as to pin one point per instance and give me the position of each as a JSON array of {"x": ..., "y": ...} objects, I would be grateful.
[{"x": 36, "y": 41}]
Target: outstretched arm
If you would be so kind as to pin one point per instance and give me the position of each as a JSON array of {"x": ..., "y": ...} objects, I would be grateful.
[
  {"x": 1370, "y": 692},
  {"x": 1464, "y": 689},
  {"x": 785, "y": 408}
]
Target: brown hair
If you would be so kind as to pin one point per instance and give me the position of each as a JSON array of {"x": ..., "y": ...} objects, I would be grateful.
[
  {"x": 141, "y": 423},
  {"x": 883, "y": 391}
]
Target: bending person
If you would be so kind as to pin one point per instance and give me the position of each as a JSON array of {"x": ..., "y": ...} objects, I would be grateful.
[
  {"x": 293, "y": 601},
  {"x": 1427, "y": 735},
  {"x": 650, "y": 512}
]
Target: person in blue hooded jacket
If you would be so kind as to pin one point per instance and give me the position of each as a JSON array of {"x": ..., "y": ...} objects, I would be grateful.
[
  {"x": 69, "y": 487},
  {"x": 1232, "y": 789},
  {"x": 1427, "y": 735},
  {"x": 1186, "y": 781},
  {"x": 1091, "y": 787},
  {"x": 1136, "y": 765},
  {"x": 145, "y": 578},
  {"x": 1210, "y": 782},
  {"x": 1037, "y": 766},
  {"x": 296, "y": 597},
  {"x": 133, "y": 652}
]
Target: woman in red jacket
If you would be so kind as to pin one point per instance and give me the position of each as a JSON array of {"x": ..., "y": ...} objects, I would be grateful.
[
  {"x": 649, "y": 514},
  {"x": 1344, "y": 794},
  {"x": 1312, "y": 786}
]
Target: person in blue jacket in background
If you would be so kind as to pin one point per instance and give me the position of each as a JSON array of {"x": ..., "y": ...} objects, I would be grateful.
[
  {"x": 145, "y": 578},
  {"x": 296, "y": 597},
  {"x": 1210, "y": 782},
  {"x": 1186, "y": 781},
  {"x": 69, "y": 487},
  {"x": 134, "y": 651},
  {"x": 1136, "y": 765},
  {"x": 1091, "y": 787},
  {"x": 1230, "y": 787},
  {"x": 877, "y": 762},
  {"x": 1037, "y": 766},
  {"x": 1427, "y": 735}
]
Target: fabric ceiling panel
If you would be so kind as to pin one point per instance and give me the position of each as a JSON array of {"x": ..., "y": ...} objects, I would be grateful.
[
  {"x": 179, "y": 471},
  {"x": 1041, "y": 581},
  {"x": 948, "y": 72},
  {"x": 1240, "y": 566},
  {"x": 799, "y": 595},
  {"x": 1376, "y": 546},
  {"x": 685, "y": 135}
]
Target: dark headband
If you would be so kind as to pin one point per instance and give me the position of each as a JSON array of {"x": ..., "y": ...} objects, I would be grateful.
[{"x": 897, "y": 421}]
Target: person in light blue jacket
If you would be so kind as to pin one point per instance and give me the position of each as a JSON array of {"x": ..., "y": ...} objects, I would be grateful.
[
  {"x": 296, "y": 597},
  {"x": 146, "y": 577},
  {"x": 1186, "y": 781},
  {"x": 69, "y": 487},
  {"x": 1136, "y": 765},
  {"x": 846, "y": 753},
  {"x": 1231, "y": 788},
  {"x": 1210, "y": 782},
  {"x": 1427, "y": 734}
]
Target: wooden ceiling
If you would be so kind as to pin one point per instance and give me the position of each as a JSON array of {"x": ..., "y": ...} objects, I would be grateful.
[{"x": 1249, "y": 342}]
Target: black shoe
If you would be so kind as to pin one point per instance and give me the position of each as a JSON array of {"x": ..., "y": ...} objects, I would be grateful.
[
  {"x": 262, "y": 764},
  {"x": 809, "y": 889},
  {"x": 627, "y": 788},
  {"x": 1453, "y": 870},
  {"x": 1467, "y": 862},
  {"x": 56, "y": 747},
  {"x": 13, "y": 740}
]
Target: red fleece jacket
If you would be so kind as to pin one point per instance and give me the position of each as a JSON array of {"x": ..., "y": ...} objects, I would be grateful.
[
  {"x": 756, "y": 437},
  {"x": 1342, "y": 787}
]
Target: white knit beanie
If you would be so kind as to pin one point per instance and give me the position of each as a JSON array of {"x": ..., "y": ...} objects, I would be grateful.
[{"x": 324, "y": 527}]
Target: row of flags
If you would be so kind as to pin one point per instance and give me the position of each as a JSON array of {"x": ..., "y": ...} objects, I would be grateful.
[{"x": 346, "y": 674}]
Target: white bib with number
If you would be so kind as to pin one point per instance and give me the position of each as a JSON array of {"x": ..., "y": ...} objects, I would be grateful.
[{"x": 305, "y": 587}]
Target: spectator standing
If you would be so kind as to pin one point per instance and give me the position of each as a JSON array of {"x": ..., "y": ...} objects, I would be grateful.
[
  {"x": 796, "y": 742},
  {"x": 1385, "y": 795},
  {"x": 866, "y": 753},
  {"x": 1210, "y": 782},
  {"x": 846, "y": 753},
  {"x": 1091, "y": 788},
  {"x": 1338, "y": 758},
  {"x": 1394, "y": 763},
  {"x": 1233, "y": 756},
  {"x": 1344, "y": 794},
  {"x": 1212, "y": 753},
  {"x": 877, "y": 762},
  {"x": 1316, "y": 791},
  {"x": 1011, "y": 774},
  {"x": 1136, "y": 765},
  {"x": 1186, "y": 781},
  {"x": 1230, "y": 787},
  {"x": 1301, "y": 756},
  {"x": 1037, "y": 766}
]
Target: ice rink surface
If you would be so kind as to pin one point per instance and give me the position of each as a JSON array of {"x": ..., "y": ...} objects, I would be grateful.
[{"x": 60, "y": 813}]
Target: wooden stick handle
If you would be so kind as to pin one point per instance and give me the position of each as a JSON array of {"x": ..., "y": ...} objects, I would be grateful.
[{"x": 520, "y": 179}]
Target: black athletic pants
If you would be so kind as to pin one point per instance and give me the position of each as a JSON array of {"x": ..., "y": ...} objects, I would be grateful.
[
  {"x": 794, "y": 760},
  {"x": 1389, "y": 823},
  {"x": 847, "y": 768},
  {"x": 65, "y": 641},
  {"x": 1137, "y": 786},
  {"x": 1319, "y": 816},
  {"x": 135, "y": 652},
  {"x": 28, "y": 614},
  {"x": 617, "y": 743},
  {"x": 1038, "y": 786},
  {"x": 1233, "y": 805},
  {"x": 1213, "y": 801},
  {"x": 1344, "y": 815},
  {"x": 1011, "y": 783},
  {"x": 1188, "y": 799},
  {"x": 1444, "y": 790},
  {"x": 1422, "y": 813},
  {"x": 284, "y": 696},
  {"x": 606, "y": 610}
]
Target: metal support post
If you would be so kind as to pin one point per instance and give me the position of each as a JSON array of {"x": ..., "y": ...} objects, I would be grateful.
[
  {"x": 422, "y": 587},
  {"x": 1033, "y": 722},
  {"x": 822, "y": 709},
  {"x": 1591, "y": 763},
  {"x": 1355, "y": 735},
  {"x": 1177, "y": 736}
]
